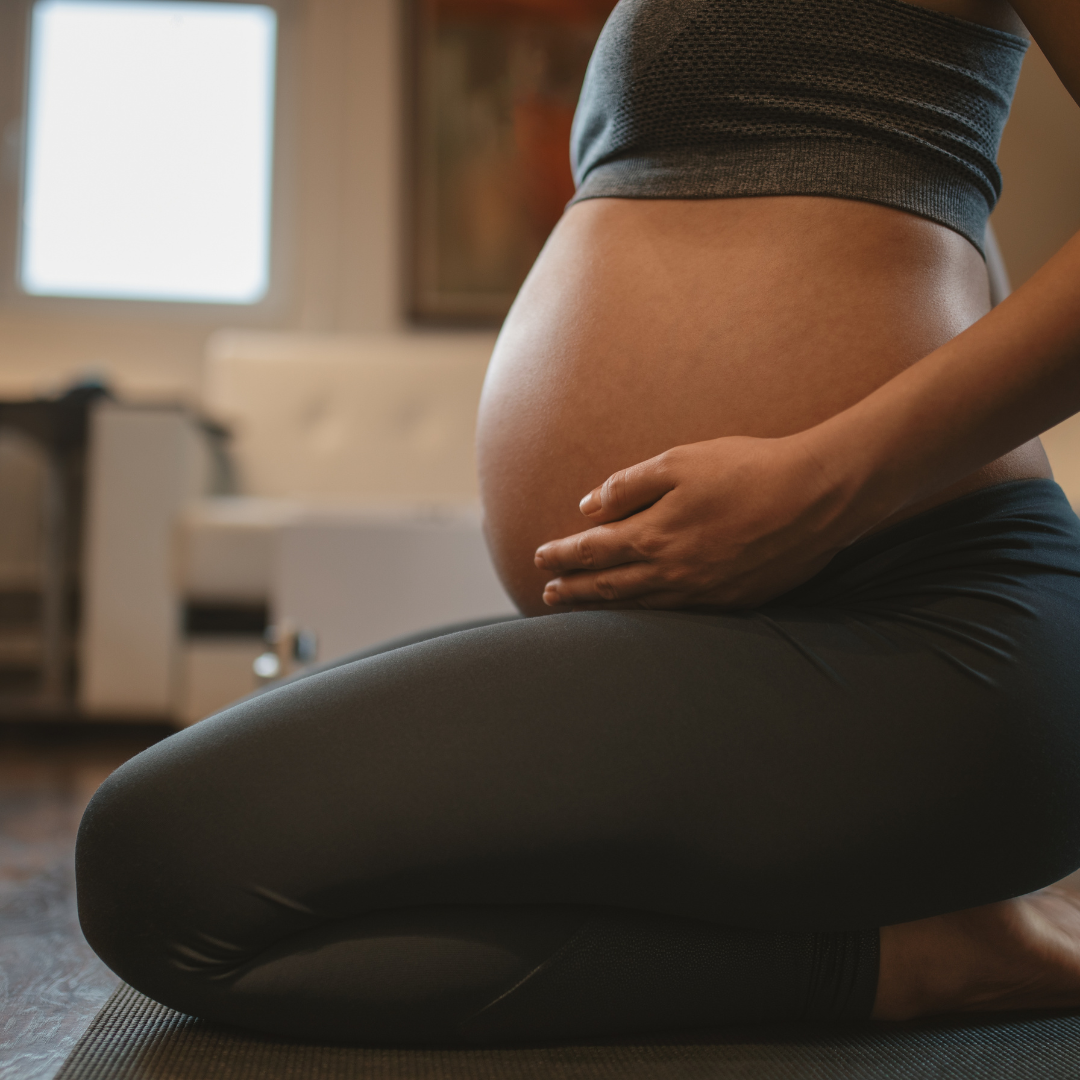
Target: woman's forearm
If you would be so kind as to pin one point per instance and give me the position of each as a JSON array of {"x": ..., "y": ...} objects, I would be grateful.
[{"x": 1004, "y": 380}]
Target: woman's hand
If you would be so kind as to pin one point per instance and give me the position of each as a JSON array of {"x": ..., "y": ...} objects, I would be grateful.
[{"x": 731, "y": 522}]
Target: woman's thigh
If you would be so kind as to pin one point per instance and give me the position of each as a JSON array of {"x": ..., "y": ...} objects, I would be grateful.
[{"x": 792, "y": 770}]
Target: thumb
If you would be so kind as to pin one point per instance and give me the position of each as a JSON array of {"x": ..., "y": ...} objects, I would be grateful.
[{"x": 629, "y": 490}]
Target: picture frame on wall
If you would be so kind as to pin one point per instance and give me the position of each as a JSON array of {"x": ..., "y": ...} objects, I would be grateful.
[{"x": 494, "y": 85}]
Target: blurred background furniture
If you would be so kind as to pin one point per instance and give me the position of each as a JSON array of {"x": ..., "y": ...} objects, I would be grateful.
[
  {"x": 42, "y": 455},
  {"x": 353, "y": 517}
]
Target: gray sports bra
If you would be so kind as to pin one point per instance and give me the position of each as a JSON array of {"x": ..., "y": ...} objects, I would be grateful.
[{"x": 877, "y": 100}]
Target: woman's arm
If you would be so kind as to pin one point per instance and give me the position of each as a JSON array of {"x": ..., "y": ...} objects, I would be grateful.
[{"x": 736, "y": 521}]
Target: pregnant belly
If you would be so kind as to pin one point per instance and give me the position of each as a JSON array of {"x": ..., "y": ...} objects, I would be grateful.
[{"x": 647, "y": 324}]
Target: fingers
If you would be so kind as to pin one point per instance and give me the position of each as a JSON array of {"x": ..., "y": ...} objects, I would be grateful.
[
  {"x": 610, "y": 564},
  {"x": 619, "y": 586},
  {"x": 594, "y": 549},
  {"x": 630, "y": 490}
]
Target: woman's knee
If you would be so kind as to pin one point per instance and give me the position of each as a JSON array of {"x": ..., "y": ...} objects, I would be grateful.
[
  {"x": 121, "y": 866},
  {"x": 152, "y": 883}
]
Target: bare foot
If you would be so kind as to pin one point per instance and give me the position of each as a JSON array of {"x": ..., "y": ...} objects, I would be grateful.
[{"x": 1019, "y": 954}]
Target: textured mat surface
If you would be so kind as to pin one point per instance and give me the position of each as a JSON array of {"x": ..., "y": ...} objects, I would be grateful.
[{"x": 133, "y": 1038}]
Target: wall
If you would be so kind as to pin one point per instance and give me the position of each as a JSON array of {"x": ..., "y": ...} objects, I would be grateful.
[
  {"x": 340, "y": 241},
  {"x": 1040, "y": 208},
  {"x": 1040, "y": 161}
]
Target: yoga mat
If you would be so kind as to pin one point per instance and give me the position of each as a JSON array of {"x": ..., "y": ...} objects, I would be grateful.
[{"x": 133, "y": 1038}]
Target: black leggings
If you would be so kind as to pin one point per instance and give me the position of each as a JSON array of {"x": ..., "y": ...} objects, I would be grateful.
[{"x": 616, "y": 822}]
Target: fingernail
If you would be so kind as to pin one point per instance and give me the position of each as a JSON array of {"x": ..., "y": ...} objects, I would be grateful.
[
  {"x": 538, "y": 558},
  {"x": 591, "y": 503},
  {"x": 551, "y": 594}
]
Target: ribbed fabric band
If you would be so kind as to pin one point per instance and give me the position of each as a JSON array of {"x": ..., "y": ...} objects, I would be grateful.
[
  {"x": 868, "y": 173},
  {"x": 844, "y": 976},
  {"x": 875, "y": 100}
]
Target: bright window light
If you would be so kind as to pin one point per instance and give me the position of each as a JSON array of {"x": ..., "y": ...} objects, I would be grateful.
[{"x": 149, "y": 147}]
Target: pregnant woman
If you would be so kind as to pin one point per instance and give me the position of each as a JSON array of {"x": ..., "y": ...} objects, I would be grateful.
[{"x": 798, "y": 735}]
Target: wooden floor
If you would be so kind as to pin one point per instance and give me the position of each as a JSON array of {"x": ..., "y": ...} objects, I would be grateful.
[{"x": 51, "y": 984}]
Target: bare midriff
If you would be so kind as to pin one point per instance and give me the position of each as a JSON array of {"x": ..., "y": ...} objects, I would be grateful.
[{"x": 647, "y": 324}]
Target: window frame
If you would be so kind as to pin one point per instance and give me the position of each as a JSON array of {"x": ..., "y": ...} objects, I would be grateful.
[{"x": 15, "y": 29}]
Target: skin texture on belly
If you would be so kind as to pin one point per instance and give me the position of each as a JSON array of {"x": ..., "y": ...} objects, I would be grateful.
[{"x": 648, "y": 324}]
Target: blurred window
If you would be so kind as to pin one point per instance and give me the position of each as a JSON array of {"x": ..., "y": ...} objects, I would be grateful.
[{"x": 149, "y": 150}]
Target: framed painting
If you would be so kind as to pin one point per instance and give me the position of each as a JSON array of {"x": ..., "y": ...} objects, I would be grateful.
[{"x": 495, "y": 84}]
